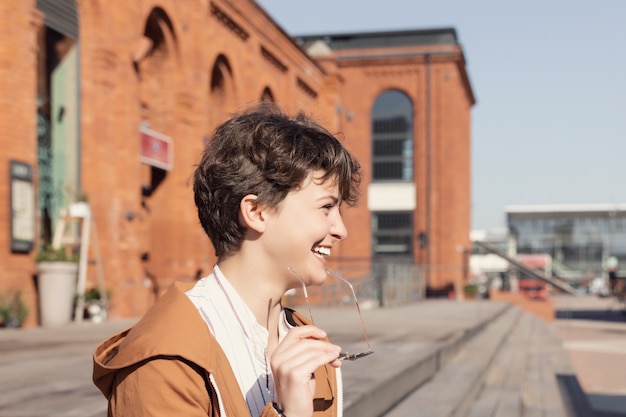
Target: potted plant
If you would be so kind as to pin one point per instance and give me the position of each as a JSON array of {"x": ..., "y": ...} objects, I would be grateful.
[
  {"x": 57, "y": 271},
  {"x": 13, "y": 310},
  {"x": 470, "y": 291},
  {"x": 96, "y": 304}
]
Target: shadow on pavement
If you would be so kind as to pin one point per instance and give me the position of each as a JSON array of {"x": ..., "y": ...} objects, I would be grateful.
[
  {"x": 580, "y": 404},
  {"x": 614, "y": 311},
  {"x": 577, "y": 402},
  {"x": 608, "y": 405},
  {"x": 599, "y": 315}
]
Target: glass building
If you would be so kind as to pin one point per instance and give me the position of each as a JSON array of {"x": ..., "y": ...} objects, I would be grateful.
[{"x": 583, "y": 240}]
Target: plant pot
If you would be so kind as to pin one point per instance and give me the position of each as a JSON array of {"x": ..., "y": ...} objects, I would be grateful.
[{"x": 57, "y": 285}]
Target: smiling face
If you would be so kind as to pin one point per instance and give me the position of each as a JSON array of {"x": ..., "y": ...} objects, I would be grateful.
[{"x": 303, "y": 229}]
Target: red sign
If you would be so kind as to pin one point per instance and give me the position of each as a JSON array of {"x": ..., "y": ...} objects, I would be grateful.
[
  {"x": 156, "y": 149},
  {"x": 537, "y": 260}
]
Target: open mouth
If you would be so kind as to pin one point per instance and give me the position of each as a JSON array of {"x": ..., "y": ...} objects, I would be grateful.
[{"x": 321, "y": 251}]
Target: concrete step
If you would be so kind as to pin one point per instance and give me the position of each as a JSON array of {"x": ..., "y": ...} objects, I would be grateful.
[
  {"x": 501, "y": 393},
  {"x": 540, "y": 391},
  {"x": 531, "y": 376},
  {"x": 371, "y": 388},
  {"x": 451, "y": 392},
  {"x": 557, "y": 390}
]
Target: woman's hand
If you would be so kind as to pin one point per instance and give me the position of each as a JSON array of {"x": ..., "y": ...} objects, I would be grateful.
[{"x": 293, "y": 362}]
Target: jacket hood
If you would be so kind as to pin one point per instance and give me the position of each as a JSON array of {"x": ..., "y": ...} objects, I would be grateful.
[
  {"x": 173, "y": 328},
  {"x": 163, "y": 331}
]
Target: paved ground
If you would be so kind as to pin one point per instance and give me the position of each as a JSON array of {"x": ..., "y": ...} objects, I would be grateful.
[
  {"x": 47, "y": 372},
  {"x": 593, "y": 331}
]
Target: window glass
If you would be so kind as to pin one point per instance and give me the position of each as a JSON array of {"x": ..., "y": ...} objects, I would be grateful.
[
  {"x": 392, "y": 137},
  {"x": 579, "y": 243},
  {"x": 392, "y": 234}
]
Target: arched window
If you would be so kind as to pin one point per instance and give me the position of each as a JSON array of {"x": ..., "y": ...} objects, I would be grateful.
[
  {"x": 158, "y": 37},
  {"x": 267, "y": 95},
  {"x": 220, "y": 74},
  {"x": 392, "y": 137},
  {"x": 159, "y": 29},
  {"x": 221, "y": 83},
  {"x": 154, "y": 60}
]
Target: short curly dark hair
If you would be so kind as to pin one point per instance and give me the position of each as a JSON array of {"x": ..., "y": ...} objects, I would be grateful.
[{"x": 264, "y": 152}]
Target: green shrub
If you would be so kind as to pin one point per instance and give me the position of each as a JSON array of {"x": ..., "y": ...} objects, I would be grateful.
[
  {"x": 470, "y": 289},
  {"x": 93, "y": 294},
  {"x": 13, "y": 310},
  {"x": 49, "y": 254}
]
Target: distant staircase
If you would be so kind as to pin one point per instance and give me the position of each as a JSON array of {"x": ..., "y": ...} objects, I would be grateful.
[
  {"x": 555, "y": 282},
  {"x": 515, "y": 367}
]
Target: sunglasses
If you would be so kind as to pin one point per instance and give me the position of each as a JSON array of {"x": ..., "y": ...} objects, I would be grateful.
[{"x": 342, "y": 355}]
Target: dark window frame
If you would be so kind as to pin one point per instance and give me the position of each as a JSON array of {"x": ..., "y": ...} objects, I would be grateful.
[
  {"x": 392, "y": 138},
  {"x": 392, "y": 228}
]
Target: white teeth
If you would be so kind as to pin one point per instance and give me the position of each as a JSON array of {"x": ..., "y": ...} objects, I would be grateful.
[{"x": 322, "y": 251}]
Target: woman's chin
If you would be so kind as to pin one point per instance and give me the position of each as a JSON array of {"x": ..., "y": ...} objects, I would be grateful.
[{"x": 319, "y": 278}]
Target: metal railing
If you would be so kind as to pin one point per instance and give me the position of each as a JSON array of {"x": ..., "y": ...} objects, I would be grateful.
[
  {"x": 383, "y": 284},
  {"x": 557, "y": 283}
]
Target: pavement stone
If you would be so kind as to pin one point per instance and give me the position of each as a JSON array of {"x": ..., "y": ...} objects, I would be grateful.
[
  {"x": 47, "y": 371},
  {"x": 451, "y": 392},
  {"x": 593, "y": 331}
]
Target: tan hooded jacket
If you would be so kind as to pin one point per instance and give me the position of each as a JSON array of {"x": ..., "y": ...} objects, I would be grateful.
[{"x": 169, "y": 364}]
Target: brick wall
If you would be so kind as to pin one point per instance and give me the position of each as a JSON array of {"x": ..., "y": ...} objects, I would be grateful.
[
  {"x": 147, "y": 242},
  {"x": 18, "y": 77},
  {"x": 448, "y": 132},
  {"x": 172, "y": 93}
]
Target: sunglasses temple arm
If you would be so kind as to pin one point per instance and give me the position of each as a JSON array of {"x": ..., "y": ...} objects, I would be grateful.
[
  {"x": 306, "y": 294},
  {"x": 356, "y": 302},
  {"x": 348, "y": 283}
]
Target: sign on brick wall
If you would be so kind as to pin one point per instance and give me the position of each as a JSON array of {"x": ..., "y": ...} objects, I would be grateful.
[
  {"x": 156, "y": 149},
  {"x": 22, "y": 206}
]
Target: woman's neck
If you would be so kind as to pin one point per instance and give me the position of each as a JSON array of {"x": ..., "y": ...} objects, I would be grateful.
[{"x": 259, "y": 291}]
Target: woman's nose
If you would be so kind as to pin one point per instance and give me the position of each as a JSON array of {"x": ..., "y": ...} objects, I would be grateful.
[{"x": 338, "y": 229}]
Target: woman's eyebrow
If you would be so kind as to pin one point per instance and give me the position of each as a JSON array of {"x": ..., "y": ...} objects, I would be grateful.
[{"x": 334, "y": 198}]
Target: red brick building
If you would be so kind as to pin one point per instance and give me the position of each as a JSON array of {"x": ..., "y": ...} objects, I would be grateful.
[{"x": 81, "y": 79}]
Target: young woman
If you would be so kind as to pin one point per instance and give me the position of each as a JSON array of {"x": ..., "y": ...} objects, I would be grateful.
[{"x": 268, "y": 190}]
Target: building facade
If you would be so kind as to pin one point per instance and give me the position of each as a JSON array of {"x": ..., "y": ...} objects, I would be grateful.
[
  {"x": 412, "y": 89},
  {"x": 584, "y": 241},
  {"x": 114, "y": 101}
]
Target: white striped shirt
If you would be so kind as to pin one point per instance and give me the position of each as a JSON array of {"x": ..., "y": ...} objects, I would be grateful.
[{"x": 240, "y": 335}]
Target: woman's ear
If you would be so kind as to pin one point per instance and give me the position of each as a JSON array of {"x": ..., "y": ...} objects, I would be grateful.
[{"x": 252, "y": 213}]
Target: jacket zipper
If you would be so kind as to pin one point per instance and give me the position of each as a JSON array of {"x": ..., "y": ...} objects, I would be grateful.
[{"x": 220, "y": 404}]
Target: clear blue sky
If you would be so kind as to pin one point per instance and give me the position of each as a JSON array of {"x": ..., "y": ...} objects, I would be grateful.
[{"x": 549, "y": 126}]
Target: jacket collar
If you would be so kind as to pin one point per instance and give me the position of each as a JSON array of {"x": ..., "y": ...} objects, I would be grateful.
[{"x": 173, "y": 327}]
